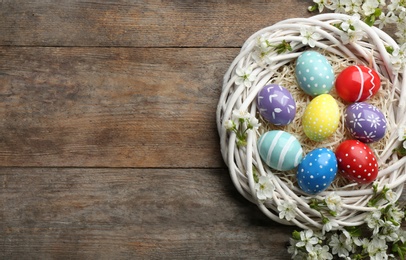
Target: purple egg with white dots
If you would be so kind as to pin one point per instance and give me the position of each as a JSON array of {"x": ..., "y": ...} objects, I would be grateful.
[
  {"x": 317, "y": 170},
  {"x": 276, "y": 104},
  {"x": 365, "y": 122},
  {"x": 314, "y": 73}
]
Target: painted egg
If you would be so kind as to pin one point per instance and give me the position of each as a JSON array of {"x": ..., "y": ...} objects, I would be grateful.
[
  {"x": 356, "y": 161},
  {"x": 314, "y": 73},
  {"x": 357, "y": 83},
  {"x": 365, "y": 122},
  {"x": 321, "y": 117},
  {"x": 317, "y": 170},
  {"x": 276, "y": 104},
  {"x": 280, "y": 150}
]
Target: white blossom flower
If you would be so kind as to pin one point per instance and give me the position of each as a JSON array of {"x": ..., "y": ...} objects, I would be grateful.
[
  {"x": 264, "y": 187},
  {"x": 397, "y": 63},
  {"x": 337, "y": 5},
  {"x": 351, "y": 36},
  {"x": 334, "y": 202},
  {"x": 374, "y": 221},
  {"x": 253, "y": 123},
  {"x": 402, "y": 235},
  {"x": 396, "y": 214},
  {"x": 340, "y": 245},
  {"x": 401, "y": 33},
  {"x": 292, "y": 249},
  {"x": 385, "y": 19},
  {"x": 246, "y": 75},
  {"x": 394, "y": 5},
  {"x": 307, "y": 240},
  {"x": 390, "y": 196},
  {"x": 353, "y": 6},
  {"x": 320, "y": 4},
  {"x": 352, "y": 23},
  {"x": 229, "y": 124},
  {"x": 261, "y": 50},
  {"x": 287, "y": 210},
  {"x": 369, "y": 7},
  {"x": 377, "y": 249},
  {"x": 330, "y": 225},
  {"x": 320, "y": 253},
  {"x": 389, "y": 232},
  {"x": 398, "y": 58},
  {"x": 310, "y": 36},
  {"x": 241, "y": 114},
  {"x": 263, "y": 43},
  {"x": 363, "y": 243},
  {"x": 404, "y": 144}
]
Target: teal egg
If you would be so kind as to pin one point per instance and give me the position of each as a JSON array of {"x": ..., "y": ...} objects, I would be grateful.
[
  {"x": 280, "y": 150},
  {"x": 314, "y": 73}
]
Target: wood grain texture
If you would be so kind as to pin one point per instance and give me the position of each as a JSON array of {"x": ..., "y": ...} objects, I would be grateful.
[
  {"x": 151, "y": 23},
  {"x": 58, "y": 213},
  {"x": 108, "y": 142},
  {"x": 110, "y": 107}
]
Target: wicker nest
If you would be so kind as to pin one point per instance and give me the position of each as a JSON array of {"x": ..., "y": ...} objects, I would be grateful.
[{"x": 244, "y": 161}]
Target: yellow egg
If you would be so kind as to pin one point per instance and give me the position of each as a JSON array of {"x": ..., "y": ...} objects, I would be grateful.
[{"x": 321, "y": 117}]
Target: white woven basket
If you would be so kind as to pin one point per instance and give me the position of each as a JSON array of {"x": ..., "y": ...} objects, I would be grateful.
[{"x": 242, "y": 161}]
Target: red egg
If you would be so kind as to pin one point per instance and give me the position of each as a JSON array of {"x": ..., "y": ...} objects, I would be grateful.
[
  {"x": 357, "y": 83},
  {"x": 356, "y": 161}
]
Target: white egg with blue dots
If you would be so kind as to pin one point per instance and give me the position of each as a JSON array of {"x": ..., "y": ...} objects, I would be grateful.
[
  {"x": 314, "y": 73},
  {"x": 317, "y": 170}
]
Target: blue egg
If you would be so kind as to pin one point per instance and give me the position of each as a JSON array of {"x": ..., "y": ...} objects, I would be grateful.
[
  {"x": 317, "y": 170},
  {"x": 280, "y": 150},
  {"x": 314, "y": 73}
]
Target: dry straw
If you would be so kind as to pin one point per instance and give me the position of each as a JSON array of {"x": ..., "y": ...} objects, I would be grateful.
[{"x": 244, "y": 161}]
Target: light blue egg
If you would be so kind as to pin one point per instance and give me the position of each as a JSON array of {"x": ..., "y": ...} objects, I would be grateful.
[
  {"x": 314, "y": 73},
  {"x": 280, "y": 150},
  {"x": 317, "y": 170}
]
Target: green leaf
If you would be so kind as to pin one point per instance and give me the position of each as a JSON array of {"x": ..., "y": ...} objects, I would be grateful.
[
  {"x": 389, "y": 49},
  {"x": 296, "y": 235},
  {"x": 314, "y": 204},
  {"x": 313, "y": 8},
  {"x": 284, "y": 46},
  {"x": 377, "y": 12},
  {"x": 370, "y": 20},
  {"x": 333, "y": 213},
  {"x": 255, "y": 174},
  {"x": 354, "y": 231},
  {"x": 400, "y": 249},
  {"x": 338, "y": 26}
]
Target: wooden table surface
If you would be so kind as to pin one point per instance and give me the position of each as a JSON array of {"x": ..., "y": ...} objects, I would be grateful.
[{"x": 108, "y": 140}]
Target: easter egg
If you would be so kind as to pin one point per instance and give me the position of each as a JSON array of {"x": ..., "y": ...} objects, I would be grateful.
[
  {"x": 365, "y": 122},
  {"x": 280, "y": 150},
  {"x": 357, "y": 83},
  {"x": 314, "y": 73},
  {"x": 317, "y": 170},
  {"x": 321, "y": 117},
  {"x": 356, "y": 161},
  {"x": 276, "y": 104}
]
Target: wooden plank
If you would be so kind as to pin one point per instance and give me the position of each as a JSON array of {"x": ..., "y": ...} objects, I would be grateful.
[
  {"x": 110, "y": 107},
  {"x": 59, "y": 213},
  {"x": 140, "y": 23}
]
